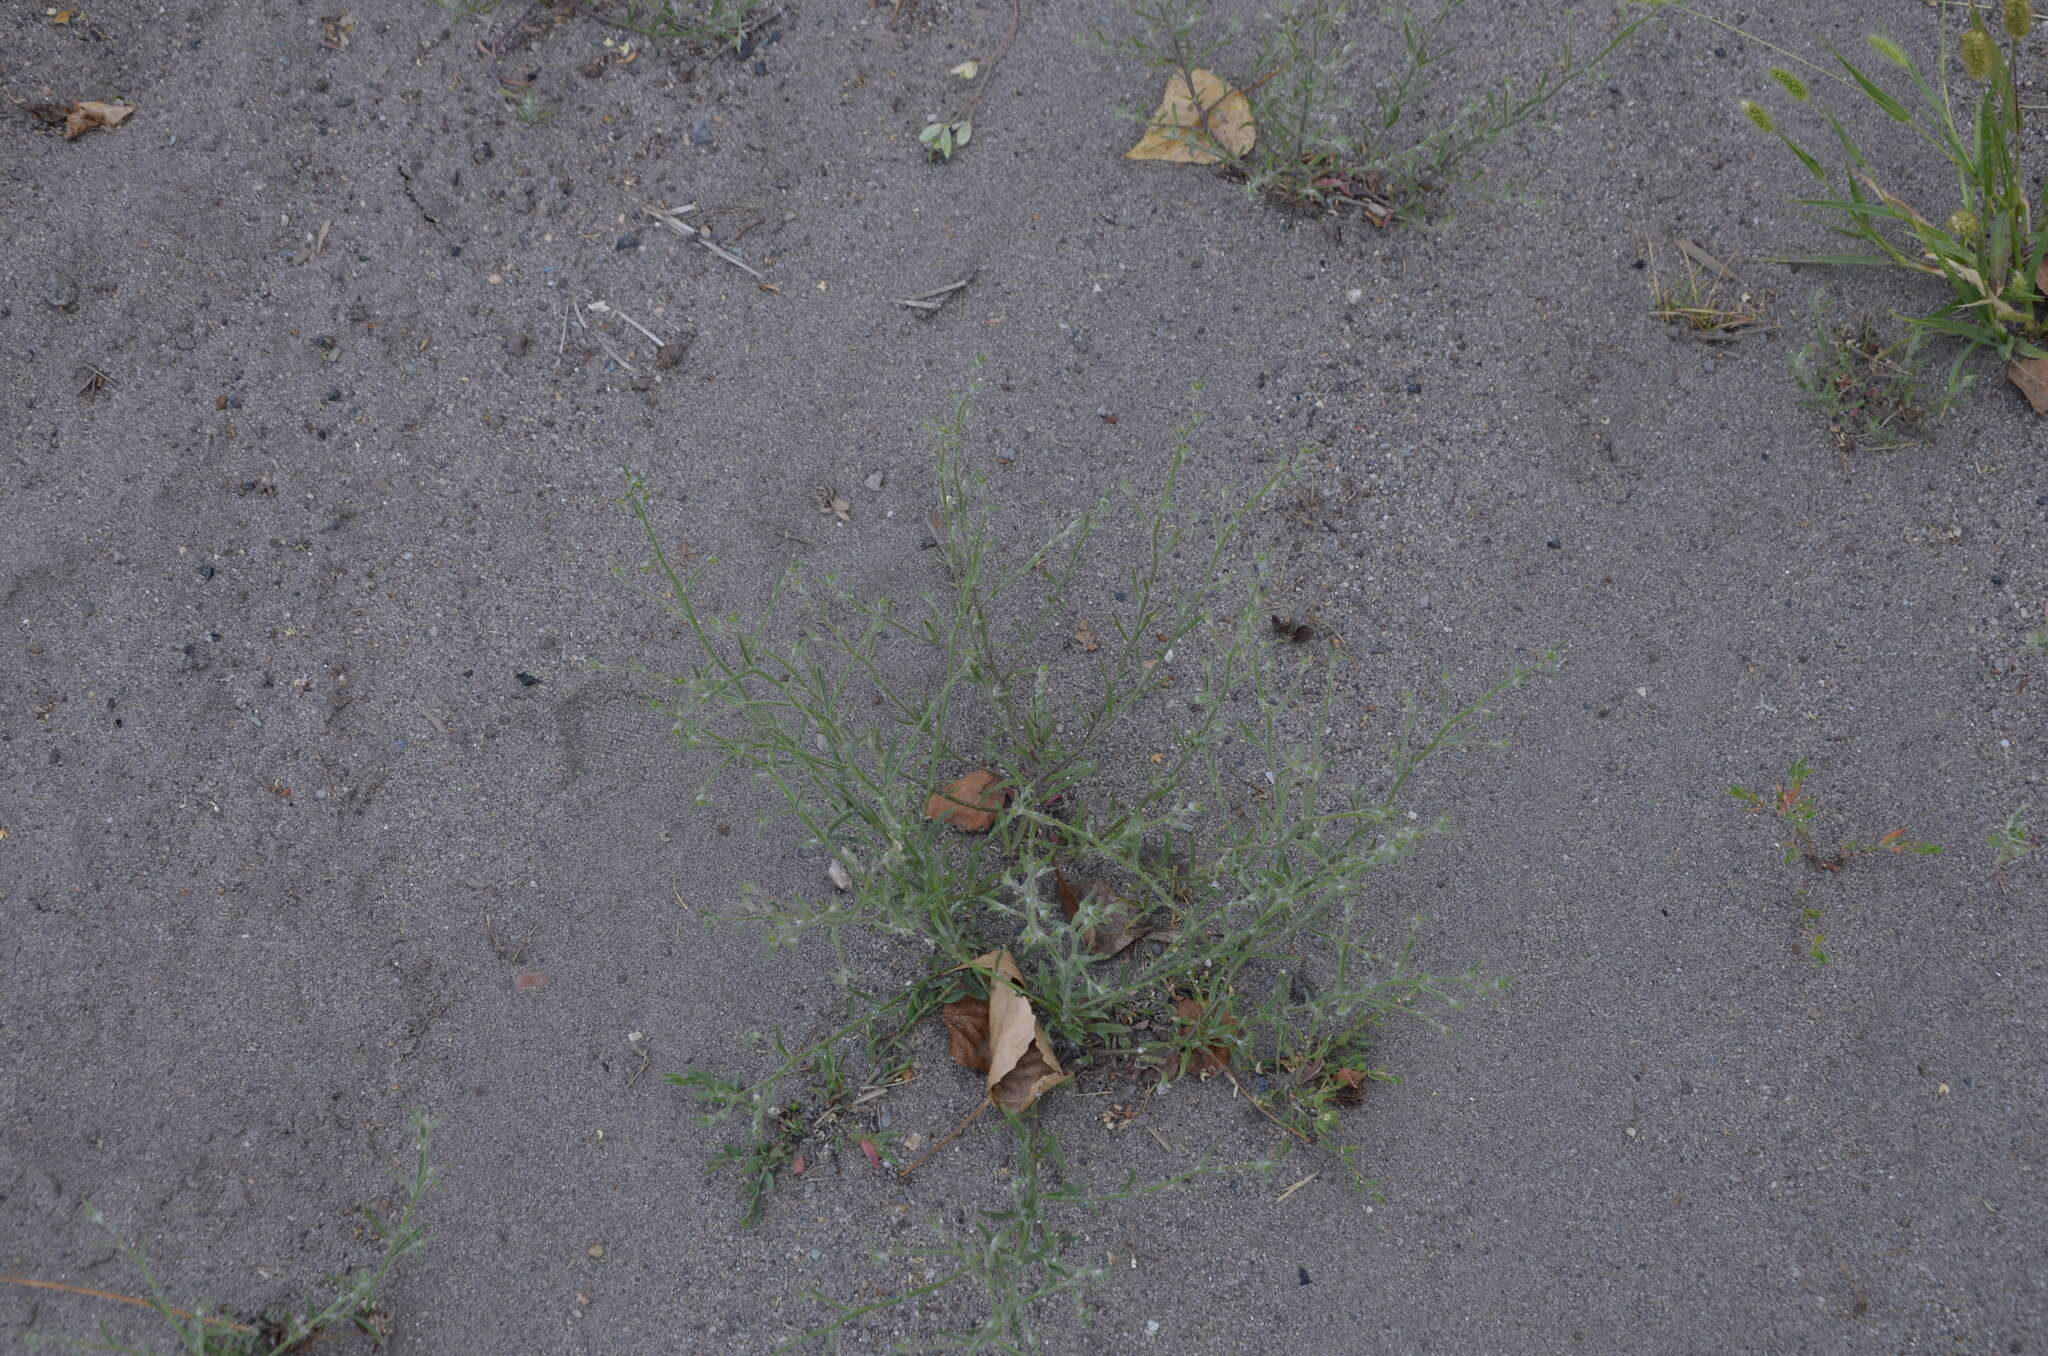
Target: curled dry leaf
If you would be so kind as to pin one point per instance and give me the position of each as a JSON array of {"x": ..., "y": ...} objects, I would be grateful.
[
  {"x": 1212, "y": 1060},
  {"x": 1120, "y": 927},
  {"x": 967, "y": 1041},
  {"x": 2031, "y": 376},
  {"x": 87, "y": 114},
  {"x": 969, "y": 804},
  {"x": 1084, "y": 636},
  {"x": 1021, "y": 1065},
  {"x": 1176, "y": 132},
  {"x": 966, "y": 70}
]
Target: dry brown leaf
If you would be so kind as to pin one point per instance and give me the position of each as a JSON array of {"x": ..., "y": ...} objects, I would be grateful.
[
  {"x": 1021, "y": 1066},
  {"x": 2031, "y": 376},
  {"x": 1351, "y": 1089},
  {"x": 1084, "y": 636},
  {"x": 1216, "y": 1058},
  {"x": 1176, "y": 133},
  {"x": 87, "y": 114},
  {"x": 966, "y": 1022},
  {"x": 1120, "y": 926},
  {"x": 969, "y": 804}
]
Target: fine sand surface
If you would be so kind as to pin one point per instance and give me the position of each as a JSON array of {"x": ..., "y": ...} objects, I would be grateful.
[{"x": 267, "y": 763}]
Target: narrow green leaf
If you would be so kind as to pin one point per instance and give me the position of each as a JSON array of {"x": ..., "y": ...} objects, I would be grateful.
[{"x": 1878, "y": 95}]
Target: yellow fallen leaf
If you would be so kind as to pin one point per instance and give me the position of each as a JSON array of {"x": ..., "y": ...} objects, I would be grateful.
[
  {"x": 63, "y": 16},
  {"x": 87, "y": 114},
  {"x": 966, "y": 70},
  {"x": 1176, "y": 132}
]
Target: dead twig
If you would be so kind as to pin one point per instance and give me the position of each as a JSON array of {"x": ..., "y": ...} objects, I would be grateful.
[{"x": 934, "y": 299}]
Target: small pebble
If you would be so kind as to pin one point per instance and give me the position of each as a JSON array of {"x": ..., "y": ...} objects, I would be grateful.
[
  {"x": 59, "y": 291},
  {"x": 875, "y": 482},
  {"x": 700, "y": 133},
  {"x": 1554, "y": 544},
  {"x": 1414, "y": 388},
  {"x": 626, "y": 242},
  {"x": 515, "y": 344},
  {"x": 206, "y": 571},
  {"x": 760, "y": 68},
  {"x": 597, "y": 1250}
]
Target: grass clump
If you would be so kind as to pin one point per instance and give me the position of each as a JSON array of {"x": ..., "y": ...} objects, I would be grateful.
[
  {"x": 1318, "y": 146},
  {"x": 1984, "y": 243},
  {"x": 1707, "y": 302},
  {"x": 1873, "y": 389},
  {"x": 1189, "y": 904},
  {"x": 352, "y": 1310}
]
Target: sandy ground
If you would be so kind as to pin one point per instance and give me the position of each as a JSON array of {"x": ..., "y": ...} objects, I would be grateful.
[{"x": 267, "y": 764}]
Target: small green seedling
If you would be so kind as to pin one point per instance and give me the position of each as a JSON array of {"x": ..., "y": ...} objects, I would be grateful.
[
  {"x": 1816, "y": 940},
  {"x": 941, "y": 138},
  {"x": 2013, "y": 840},
  {"x": 528, "y": 106},
  {"x": 1789, "y": 802}
]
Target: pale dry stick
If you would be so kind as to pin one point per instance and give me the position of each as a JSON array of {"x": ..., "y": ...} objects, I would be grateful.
[
  {"x": 606, "y": 308},
  {"x": 1296, "y": 1187},
  {"x": 668, "y": 216},
  {"x": 934, "y": 299},
  {"x": 732, "y": 259}
]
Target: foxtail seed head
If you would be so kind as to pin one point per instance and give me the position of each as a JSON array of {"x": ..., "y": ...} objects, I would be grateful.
[
  {"x": 1890, "y": 51},
  {"x": 1980, "y": 54},
  {"x": 1964, "y": 226},
  {"x": 2018, "y": 18},
  {"x": 1792, "y": 84},
  {"x": 1759, "y": 115}
]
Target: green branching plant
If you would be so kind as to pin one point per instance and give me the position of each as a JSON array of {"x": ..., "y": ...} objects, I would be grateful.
[
  {"x": 1317, "y": 147},
  {"x": 1790, "y": 804},
  {"x": 702, "y": 23},
  {"x": 1015, "y": 1257},
  {"x": 709, "y": 23},
  {"x": 1985, "y": 244},
  {"x": 1874, "y": 390},
  {"x": 1208, "y": 873},
  {"x": 203, "y": 1331}
]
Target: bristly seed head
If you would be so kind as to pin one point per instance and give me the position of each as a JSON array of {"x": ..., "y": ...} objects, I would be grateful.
[
  {"x": 1891, "y": 51},
  {"x": 2018, "y": 18},
  {"x": 1980, "y": 53},
  {"x": 1964, "y": 226},
  {"x": 1792, "y": 84},
  {"x": 1759, "y": 115}
]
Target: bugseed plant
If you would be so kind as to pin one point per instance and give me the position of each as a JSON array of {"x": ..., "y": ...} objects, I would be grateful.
[
  {"x": 1190, "y": 904},
  {"x": 1317, "y": 147},
  {"x": 351, "y": 1312},
  {"x": 1873, "y": 389},
  {"x": 1984, "y": 244}
]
